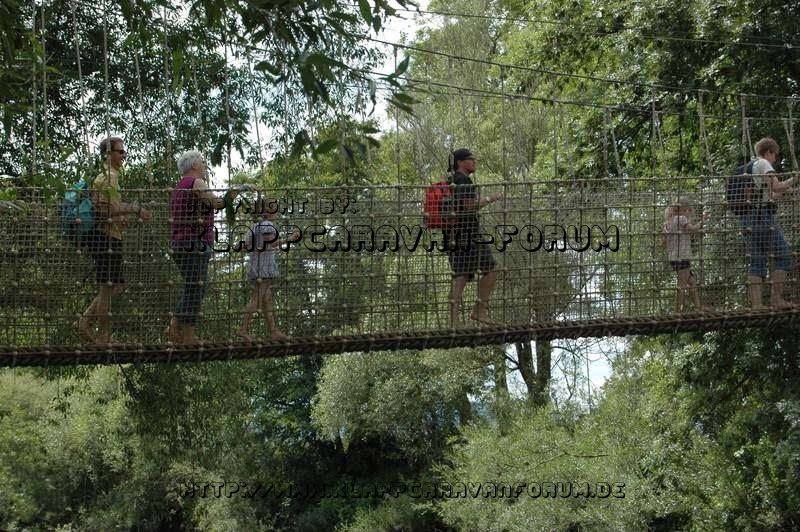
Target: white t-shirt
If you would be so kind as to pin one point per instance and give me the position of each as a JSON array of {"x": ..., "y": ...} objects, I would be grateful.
[
  {"x": 679, "y": 240},
  {"x": 760, "y": 169}
]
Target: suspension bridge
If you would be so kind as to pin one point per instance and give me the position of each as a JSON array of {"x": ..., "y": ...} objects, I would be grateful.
[
  {"x": 576, "y": 256},
  {"x": 575, "y": 259}
]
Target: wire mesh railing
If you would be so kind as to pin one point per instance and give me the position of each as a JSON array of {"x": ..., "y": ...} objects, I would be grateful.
[{"x": 579, "y": 256}]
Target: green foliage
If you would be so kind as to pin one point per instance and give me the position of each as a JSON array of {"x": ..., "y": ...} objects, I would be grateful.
[
  {"x": 66, "y": 448},
  {"x": 703, "y": 434},
  {"x": 537, "y": 448},
  {"x": 702, "y": 431},
  {"x": 170, "y": 79},
  {"x": 383, "y": 396},
  {"x": 741, "y": 389},
  {"x": 399, "y": 513},
  {"x": 614, "y": 63}
]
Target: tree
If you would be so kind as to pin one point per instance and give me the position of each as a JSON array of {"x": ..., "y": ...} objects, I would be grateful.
[{"x": 173, "y": 79}]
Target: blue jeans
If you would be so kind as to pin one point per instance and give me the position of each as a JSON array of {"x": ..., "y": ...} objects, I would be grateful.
[
  {"x": 192, "y": 259},
  {"x": 765, "y": 240}
]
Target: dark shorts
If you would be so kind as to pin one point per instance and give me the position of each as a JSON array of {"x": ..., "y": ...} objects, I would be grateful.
[
  {"x": 476, "y": 257},
  {"x": 106, "y": 254},
  {"x": 679, "y": 265}
]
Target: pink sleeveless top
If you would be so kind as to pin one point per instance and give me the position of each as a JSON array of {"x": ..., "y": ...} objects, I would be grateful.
[{"x": 190, "y": 222}]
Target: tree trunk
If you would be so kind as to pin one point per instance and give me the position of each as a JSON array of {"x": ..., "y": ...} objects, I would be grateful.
[
  {"x": 464, "y": 410},
  {"x": 537, "y": 379},
  {"x": 525, "y": 364},
  {"x": 500, "y": 374},
  {"x": 540, "y": 394}
]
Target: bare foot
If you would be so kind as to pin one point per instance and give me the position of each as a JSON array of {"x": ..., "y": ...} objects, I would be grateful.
[
  {"x": 108, "y": 341},
  {"x": 82, "y": 326},
  {"x": 192, "y": 340},
  {"x": 244, "y": 336},
  {"x": 278, "y": 336},
  {"x": 172, "y": 335},
  {"x": 483, "y": 318}
]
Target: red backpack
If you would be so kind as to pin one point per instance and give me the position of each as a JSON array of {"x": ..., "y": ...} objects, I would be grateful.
[{"x": 438, "y": 210}]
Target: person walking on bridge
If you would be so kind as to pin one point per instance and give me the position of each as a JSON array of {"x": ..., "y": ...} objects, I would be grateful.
[
  {"x": 104, "y": 242},
  {"x": 468, "y": 255},
  {"x": 763, "y": 235}
]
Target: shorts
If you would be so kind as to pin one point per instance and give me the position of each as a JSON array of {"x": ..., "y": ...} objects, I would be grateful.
[
  {"x": 765, "y": 243},
  {"x": 678, "y": 265},
  {"x": 106, "y": 254},
  {"x": 473, "y": 258}
]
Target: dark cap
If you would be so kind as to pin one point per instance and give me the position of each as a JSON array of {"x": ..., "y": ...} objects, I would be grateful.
[{"x": 462, "y": 154}]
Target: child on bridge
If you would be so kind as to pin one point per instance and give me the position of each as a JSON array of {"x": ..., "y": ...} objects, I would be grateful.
[
  {"x": 678, "y": 229},
  {"x": 262, "y": 244}
]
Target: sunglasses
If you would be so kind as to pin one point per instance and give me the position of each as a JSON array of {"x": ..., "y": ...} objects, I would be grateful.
[{"x": 121, "y": 152}]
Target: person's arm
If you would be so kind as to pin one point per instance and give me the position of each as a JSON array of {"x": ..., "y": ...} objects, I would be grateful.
[
  {"x": 271, "y": 237},
  {"x": 466, "y": 195},
  {"x": 123, "y": 209},
  {"x": 470, "y": 204},
  {"x": 469, "y": 196},
  {"x": 497, "y": 196},
  {"x": 289, "y": 239},
  {"x": 778, "y": 186},
  {"x": 106, "y": 200},
  {"x": 202, "y": 192},
  {"x": 696, "y": 227}
]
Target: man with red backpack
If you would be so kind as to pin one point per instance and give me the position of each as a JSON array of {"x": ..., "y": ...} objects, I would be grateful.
[{"x": 466, "y": 255}]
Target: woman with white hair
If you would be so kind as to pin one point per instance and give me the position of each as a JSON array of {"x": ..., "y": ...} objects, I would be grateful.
[{"x": 192, "y": 207}]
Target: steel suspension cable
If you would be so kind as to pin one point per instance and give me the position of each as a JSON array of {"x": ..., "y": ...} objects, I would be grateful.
[
  {"x": 788, "y": 125},
  {"x": 605, "y": 143},
  {"x": 81, "y": 86},
  {"x": 256, "y": 118},
  {"x": 705, "y": 152},
  {"x": 555, "y": 112},
  {"x": 45, "y": 122},
  {"x": 227, "y": 106},
  {"x": 143, "y": 113},
  {"x": 106, "y": 84},
  {"x": 503, "y": 128},
  {"x": 747, "y": 144},
  {"x": 34, "y": 105},
  {"x": 656, "y": 137},
  {"x": 396, "y": 125},
  {"x": 617, "y": 157},
  {"x": 167, "y": 98}
]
